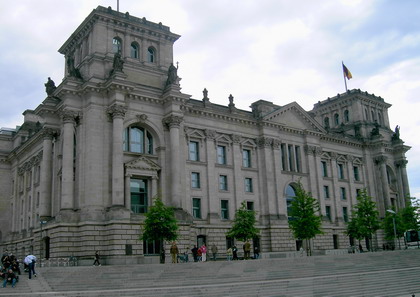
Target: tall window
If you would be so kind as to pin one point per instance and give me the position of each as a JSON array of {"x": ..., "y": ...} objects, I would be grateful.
[
  {"x": 343, "y": 193},
  {"x": 326, "y": 192},
  {"x": 328, "y": 212},
  {"x": 151, "y": 55},
  {"x": 290, "y": 196},
  {"x": 297, "y": 158},
  {"x": 336, "y": 119},
  {"x": 116, "y": 45},
  {"x": 324, "y": 169},
  {"x": 221, "y": 154},
  {"x": 250, "y": 205},
  {"x": 137, "y": 140},
  {"x": 356, "y": 173},
  {"x": 345, "y": 214},
  {"x": 224, "y": 209},
  {"x": 138, "y": 189},
  {"x": 290, "y": 152},
  {"x": 283, "y": 156},
  {"x": 248, "y": 185},
  {"x": 134, "y": 53},
  {"x": 346, "y": 116},
  {"x": 193, "y": 151},
  {"x": 326, "y": 122},
  {"x": 357, "y": 192},
  {"x": 195, "y": 180},
  {"x": 223, "y": 185},
  {"x": 340, "y": 171},
  {"x": 246, "y": 158},
  {"x": 196, "y": 208}
]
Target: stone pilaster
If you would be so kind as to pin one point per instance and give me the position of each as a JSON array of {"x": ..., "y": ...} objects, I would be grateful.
[
  {"x": 381, "y": 162},
  {"x": 46, "y": 174}
]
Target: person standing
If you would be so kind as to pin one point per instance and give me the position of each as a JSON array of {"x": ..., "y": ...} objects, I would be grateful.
[
  {"x": 247, "y": 250},
  {"x": 97, "y": 257},
  {"x": 174, "y": 252},
  {"x": 235, "y": 252},
  {"x": 194, "y": 252},
  {"x": 229, "y": 254},
  {"x": 214, "y": 251},
  {"x": 30, "y": 260},
  {"x": 203, "y": 252}
]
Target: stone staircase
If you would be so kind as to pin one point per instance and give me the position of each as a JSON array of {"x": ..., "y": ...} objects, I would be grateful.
[{"x": 390, "y": 273}]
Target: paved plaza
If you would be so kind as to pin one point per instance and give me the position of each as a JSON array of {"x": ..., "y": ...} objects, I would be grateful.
[{"x": 390, "y": 273}]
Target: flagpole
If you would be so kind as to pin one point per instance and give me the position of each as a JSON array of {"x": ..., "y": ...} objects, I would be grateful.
[{"x": 344, "y": 75}]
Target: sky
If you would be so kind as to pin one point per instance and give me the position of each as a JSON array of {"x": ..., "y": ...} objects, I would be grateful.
[{"x": 276, "y": 50}]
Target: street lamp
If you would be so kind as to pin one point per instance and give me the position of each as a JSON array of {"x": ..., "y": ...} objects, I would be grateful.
[
  {"x": 395, "y": 229},
  {"x": 40, "y": 242}
]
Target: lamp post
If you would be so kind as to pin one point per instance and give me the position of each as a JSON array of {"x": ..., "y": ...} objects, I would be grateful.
[
  {"x": 395, "y": 229},
  {"x": 40, "y": 242}
]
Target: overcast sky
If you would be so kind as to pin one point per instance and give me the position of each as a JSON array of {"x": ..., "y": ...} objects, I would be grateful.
[{"x": 276, "y": 50}]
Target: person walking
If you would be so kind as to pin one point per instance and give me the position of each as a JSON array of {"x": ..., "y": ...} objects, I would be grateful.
[
  {"x": 214, "y": 251},
  {"x": 30, "y": 260},
  {"x": 229, "y": 254},
  {"x": 97, "y": 257},
  {"x": 174, "y": 252}
]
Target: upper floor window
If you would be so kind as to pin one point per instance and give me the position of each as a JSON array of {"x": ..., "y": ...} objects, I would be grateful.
[
  {"x": 116, "y": 45},
  {"x": 324, "y": 168},
  {"x": 250, "y": 205},
  {"x": 195, "y": 180},
  {"x": 340, "y": 171},
  {"x": 328, "y": 212},
  {"x": 224, "y": 209},
  {"x": 297, "y": 159},
  {"x": 193, "y": 151},
  {"x": 138, "y": 190},
  {"x": 223, "y": 183},
  {"x": 246, "y": 158},
  {"x": 137, "y": 140},
  {"x": 343, "y": 193},
  {"x": 380, "y": 121},
  {"x": 373, "y": 116},
  {"x": 326, "y": 192},
  {"x": 366, "y": 114},
  {"x": 196, "y": 208},
  {"x": 151, "y": 55},
  {"x": 326, "y": 122},
  {"x": 134, "y": 53},
  {"x": 221, "y": 154},
  {"x": 336, "y": 119},
  {"x": 356, "y": 173},
  {"x": 290, "y": 196},
  {"x": 346, "y": 116},
  {"x": 345, "y": 214},
  {"x": 248, "y": 185}
]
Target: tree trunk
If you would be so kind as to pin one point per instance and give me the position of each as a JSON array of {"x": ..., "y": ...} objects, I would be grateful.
[{"x": 162, "y": 252}]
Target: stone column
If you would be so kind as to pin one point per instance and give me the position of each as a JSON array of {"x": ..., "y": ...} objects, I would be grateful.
[
  {"x": 67, "y": 175},
  {"x": 351, "y": 181},
  {"x": 314, "y": 161},
  {"x": 174, "y": 122},
  {"x": 211, "y": 160},
  {"x": 267, "y": 175},
  {"x": 117, "y": 112},
  {"x": 46, "y": 174},
  {"x": 381, "y": 162},
  {"x": 336, "y": 199},
  {"x": 127, "y": 191},
  {"x": 402, "y": 165}
]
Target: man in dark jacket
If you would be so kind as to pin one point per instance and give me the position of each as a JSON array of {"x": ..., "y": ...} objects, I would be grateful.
[{"x": 10, "y": 278}]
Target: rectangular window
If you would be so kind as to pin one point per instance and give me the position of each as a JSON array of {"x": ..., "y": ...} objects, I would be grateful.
[
  {"x": 195, "y": 180},
  {"x": 224, "y": 209},
  {"x": 324, "y": 169},
  {"x": 326, "y": 192},
  {"x": 345, "y": 214},
  {"x": 248, "y": 185},
  {"x": 246, "y": 158},
  {"x": 193, "y": 148},
  {"x": 343, "y": 193},
  {"x": 356, "y": 173},
  {"x": 138, "y": 190},
  {"x": 340, "y": 171},
  {"x": 221, "y": 154},
  {"x": 328, "y": 212},
  {"x": 283, "y": 157},
  {"x": 290, "y": 152},
  {"x": 357, "y": 192},
  {"x": 196, "y": 208},
  {"x": 297, "y": 159},
  {"x": 250, "y": 205},
  {"x": 223, "y": 185},
  {"x": 151, "y": 247}
]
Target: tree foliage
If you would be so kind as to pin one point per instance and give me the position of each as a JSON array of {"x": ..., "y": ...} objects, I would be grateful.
[
  {"x": 365, "y": 219},
  {"x": 160, "y": 224},
  {"x": 243, "y": 227},
  {"x": 305, "y": 221}
]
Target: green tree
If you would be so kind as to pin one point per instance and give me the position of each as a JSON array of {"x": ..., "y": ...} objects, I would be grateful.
[
  {"x": 243, "y": 227},
  {"x": 160, "y": 224},
  {"x": 305, "y": 221},
  {"x": 366, "y": 216},
  {"x": 410, "y": 217},
  {"x": 353, "y": 229}
]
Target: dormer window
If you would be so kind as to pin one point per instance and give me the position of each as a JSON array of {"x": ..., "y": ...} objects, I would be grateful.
[
  {"x": 116, "y": 45},
  {"x": 134, "y": 53},
  {"x": 151, "y": 55}
]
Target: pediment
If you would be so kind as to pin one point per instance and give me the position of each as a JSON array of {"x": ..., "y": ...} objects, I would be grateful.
[
  {"x": 143, "y": 164},
  {"x": 195, "y": 133},
  {"x": 294, "y": 116},
  {"x": 249, "y": 143},
  {"x": 223, "y": 139}
]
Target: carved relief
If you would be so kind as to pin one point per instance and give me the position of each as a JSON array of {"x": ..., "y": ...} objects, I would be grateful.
[
  {"x": 172, "y": 121},
  {"x": 380, "y": 160},
  {"x": 68, "y": 116},
  {"x": 236, "y": 138},
  {"x": 117, "y": 111},
  {"x": 264, "y": 142},
  {"x": 210, "y": 134},
  {"x": 141, "y": 117}
]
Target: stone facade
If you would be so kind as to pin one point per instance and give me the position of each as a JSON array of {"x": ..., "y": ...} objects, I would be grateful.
[{"x": 81, "y": 171}]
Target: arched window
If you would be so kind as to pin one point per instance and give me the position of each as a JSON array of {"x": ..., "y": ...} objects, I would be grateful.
[
  {"x": 137, "y": 140},
  {"x": 380, "y": 121},
  {"x": 326, "y": 122},
  {"x": 116, "y": 45},
  {"x": 373, "y": 116},
  {"x": 290, "y": 196},
  {"x": 336, "y": 119},
  {"x": 151, "y": 55},
  {"x": 134, "y": 53},
  {"x": 346, "y": 116}
]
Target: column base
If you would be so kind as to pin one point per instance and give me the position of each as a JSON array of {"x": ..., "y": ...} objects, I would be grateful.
[
  {"x": 67, "y": 216},
  {"x": 118, "y": 212}
]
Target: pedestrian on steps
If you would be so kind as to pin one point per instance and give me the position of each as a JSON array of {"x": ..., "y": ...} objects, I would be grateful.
[{"x": 96, "y": 259}]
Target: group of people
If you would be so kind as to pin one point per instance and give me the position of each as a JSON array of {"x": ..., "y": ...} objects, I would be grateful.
[{"x": 10, "y": 269}]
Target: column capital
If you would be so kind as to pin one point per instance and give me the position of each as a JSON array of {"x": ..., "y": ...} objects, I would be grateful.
[
  {"x": 48, "y": 133},
  {"x": 68, "y": 116},
  {"x": 172, "y": 121},
  {"x": 379, "y": 160},
  {"x": 264, "y": 142},
  {"x": 116, "y": 111},
  {"x": 401, "y": 163}
]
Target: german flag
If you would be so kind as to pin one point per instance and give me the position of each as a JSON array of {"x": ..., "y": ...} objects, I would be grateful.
[{"x": 346, "y": 72}]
